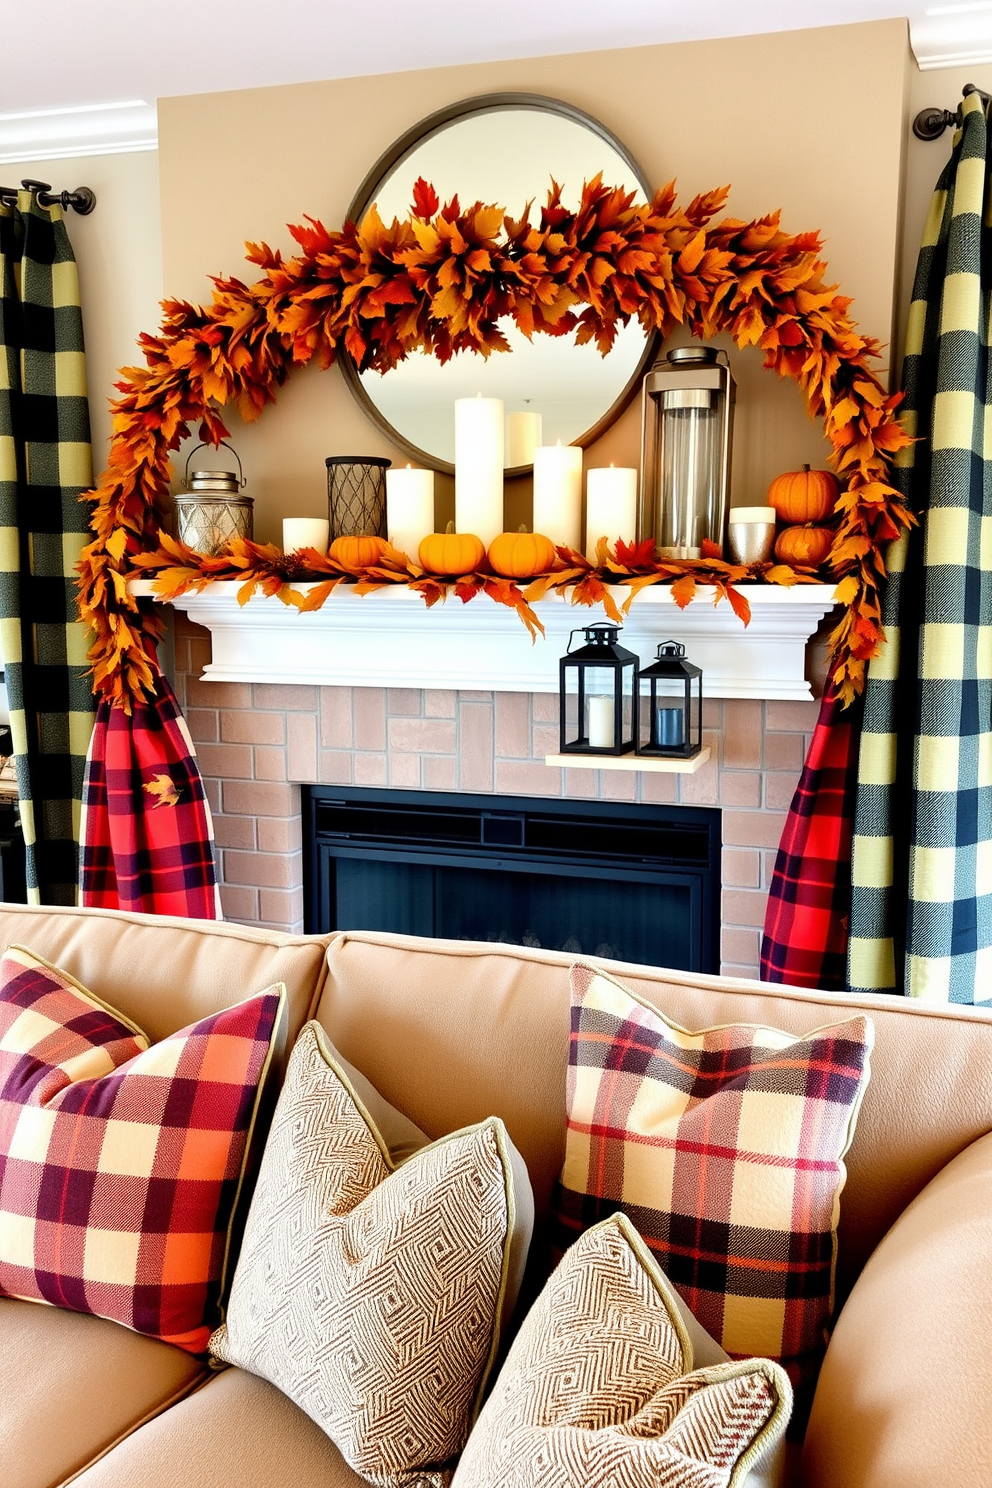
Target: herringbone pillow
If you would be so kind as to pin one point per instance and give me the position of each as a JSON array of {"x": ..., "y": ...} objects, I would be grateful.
[
  {"x": 373, "y": 1296},
  {"x": 599, "y": 1391},
  {"x": 120, "y": 1163},
  {"x": 725, "y": 1147}
]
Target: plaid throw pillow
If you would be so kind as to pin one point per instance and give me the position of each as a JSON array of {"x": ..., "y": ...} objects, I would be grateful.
[
  {"x": 119, "y": 1163},
  {"x": 725, "y": 1147}
]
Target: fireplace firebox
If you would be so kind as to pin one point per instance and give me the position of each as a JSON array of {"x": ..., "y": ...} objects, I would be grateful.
[{"x": 632, "y": 883}]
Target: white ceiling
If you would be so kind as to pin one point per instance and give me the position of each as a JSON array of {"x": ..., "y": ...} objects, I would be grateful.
[{"x": 63, "y": 57}]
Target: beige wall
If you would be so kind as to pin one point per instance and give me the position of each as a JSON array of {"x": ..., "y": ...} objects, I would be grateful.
[
  {"x": 118, "y": 248},
  {"x": 812, "y": 122}
]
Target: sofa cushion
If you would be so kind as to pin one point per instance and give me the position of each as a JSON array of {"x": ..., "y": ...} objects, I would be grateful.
[
  {"x": 600, "y": 1387},
  {"x": 903, "y": 1395},
  {"x": 725, "y": 1146},
  {"x": 483, "y": 1029},
  {"x": 163, "y": 972},
  {"x": 373, "y": 1297},
  {"x": 71, "y": 1385},
  {"x": 120, "y": 1163},
  {"x": 238, "y": 1431}
]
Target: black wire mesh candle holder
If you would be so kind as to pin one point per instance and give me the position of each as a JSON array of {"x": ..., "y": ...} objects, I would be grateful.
[{"x": 356, "y": 495}]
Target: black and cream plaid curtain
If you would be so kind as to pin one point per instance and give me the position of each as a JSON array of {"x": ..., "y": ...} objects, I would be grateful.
[
  {"x": 45, "y": 465},
  {"x": 921, "y": 912}
]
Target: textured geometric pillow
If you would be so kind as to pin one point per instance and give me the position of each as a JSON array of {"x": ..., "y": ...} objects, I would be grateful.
[
  {"x": 725, "y": 1147},
  {"x": 373, "y": 1295},
  {"x": 599, "y": 1391},
  {"x": 120, "y": 1164}
]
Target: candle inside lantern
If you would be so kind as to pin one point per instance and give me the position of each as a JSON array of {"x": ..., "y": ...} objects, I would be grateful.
[
  {"x": 611, "y": 506},
  {"x": 601, "y": 720},
  {"x": 479, "y": 466},
  {"x": 305, "y": 532},
  {"x": 558, "y": 493},
  {"x": 523, "y": 435},
  {"x": 409, "y": 508},
  {"x": 669, "y": 728}
]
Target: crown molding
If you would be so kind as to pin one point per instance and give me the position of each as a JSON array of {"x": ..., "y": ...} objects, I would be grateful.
[
  {"x": 955, "y": 36},
  {"x": 92, "y": 129}
]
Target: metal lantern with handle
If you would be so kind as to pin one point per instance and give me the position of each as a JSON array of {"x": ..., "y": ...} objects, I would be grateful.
[
  {"x": 210, "y": 509},
  {"x": 596, "y": 693},
  {"x": 668, "y": 712},
  {"x": 687, "y": 419}
]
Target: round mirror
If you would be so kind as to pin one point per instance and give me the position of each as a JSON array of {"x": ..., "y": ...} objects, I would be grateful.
[{"x": 503, "y": 149}]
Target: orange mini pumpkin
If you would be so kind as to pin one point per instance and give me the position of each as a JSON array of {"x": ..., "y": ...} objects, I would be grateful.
[
  {"x": 522, "y": 554},
  {"x": 802, "y": 496},
  {"x": 806, "y": 546},
  {"x": 358, "y": 552},
  {"x": 451, "y": 553}
]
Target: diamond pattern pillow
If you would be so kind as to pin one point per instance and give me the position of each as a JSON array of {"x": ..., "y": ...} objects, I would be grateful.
[
  {"x": 373, "y": 1296},
  {"x": 120, "y": 1163},
  {"x": 599, "y": 1390},
  {"x": 725, "y": 1147}
]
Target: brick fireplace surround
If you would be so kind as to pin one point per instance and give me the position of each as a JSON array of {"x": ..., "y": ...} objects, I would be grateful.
[{"x": 257, "y": 743}]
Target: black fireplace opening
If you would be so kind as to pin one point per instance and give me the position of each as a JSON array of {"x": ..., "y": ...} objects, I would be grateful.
[{"x": 638, "y": 883}]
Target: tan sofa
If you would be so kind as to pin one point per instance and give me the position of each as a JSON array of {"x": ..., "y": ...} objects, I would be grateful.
[{"x": 450, "y": 1033}]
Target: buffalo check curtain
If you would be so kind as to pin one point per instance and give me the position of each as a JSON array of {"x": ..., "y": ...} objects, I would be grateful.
[
  {"x": 147, "y": 833},
  {"x": 45, "y": 466},
  {"x": 921, "y": 909}
]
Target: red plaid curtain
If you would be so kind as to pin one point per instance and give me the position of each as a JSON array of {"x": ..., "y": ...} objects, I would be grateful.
[
  {"x": 809, "y": 903},
  {"x": 147, "y": 837}
]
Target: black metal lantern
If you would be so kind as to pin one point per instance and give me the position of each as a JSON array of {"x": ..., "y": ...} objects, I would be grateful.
[
  {"x": 668, "y": 720},
  {"x": 596, "y": 693}
]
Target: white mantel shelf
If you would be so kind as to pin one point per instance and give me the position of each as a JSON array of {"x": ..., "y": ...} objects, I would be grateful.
[{"x": 390, "y": 639}]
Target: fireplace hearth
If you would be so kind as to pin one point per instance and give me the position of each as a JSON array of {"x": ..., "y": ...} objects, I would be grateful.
[{"x": 632, "y": 883}]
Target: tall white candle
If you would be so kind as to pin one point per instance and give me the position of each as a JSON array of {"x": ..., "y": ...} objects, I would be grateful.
[
  {"x": 409, "y": 508},
  {"x": 523, "y": 435},
  {"x": 558, "y": 493},
  {"x": 479, "y": 466},
  {"x": 305, "y": 532},
  {"x": 601, "y": 720},
  {"x": 611, "y": 506}
]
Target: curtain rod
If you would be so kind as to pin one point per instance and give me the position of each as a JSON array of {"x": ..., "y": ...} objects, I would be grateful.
[
  {"x": 82, "y": 200},
  {"x": 930, "y": 123}
]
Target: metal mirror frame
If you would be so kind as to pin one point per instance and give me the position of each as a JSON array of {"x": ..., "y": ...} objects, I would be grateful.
[{"x": 488, "y": 103}]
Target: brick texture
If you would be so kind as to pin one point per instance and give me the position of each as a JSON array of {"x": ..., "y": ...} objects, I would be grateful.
[{"x": 258, "y": 743}]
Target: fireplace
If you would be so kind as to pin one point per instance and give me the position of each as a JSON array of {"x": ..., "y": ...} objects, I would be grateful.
[{"x": 632, "y": 883}]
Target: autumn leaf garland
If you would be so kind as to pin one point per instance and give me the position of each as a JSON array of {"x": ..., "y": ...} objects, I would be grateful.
[{"x": 441, "y": 281}]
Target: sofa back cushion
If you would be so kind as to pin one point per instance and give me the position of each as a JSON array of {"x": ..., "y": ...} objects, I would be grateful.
[
  {"x": 453, "y": 1032},
  {"x": 165, "y": 973}
]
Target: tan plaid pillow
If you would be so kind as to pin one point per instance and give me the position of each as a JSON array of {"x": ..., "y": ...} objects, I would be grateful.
[
  {"x": 371, "y": 1294},
  {"x": 599, "y": 1391},
  {"x": 725, "y": 1147}
]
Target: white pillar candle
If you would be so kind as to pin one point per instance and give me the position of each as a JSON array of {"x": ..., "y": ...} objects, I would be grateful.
[
  {"x": 611, "y": 506},
  {"x": 305, "y": 532},
  {"x": 601, "y": 720},
  {"x": 523, "y": 435},
  {"x": 558, "y": 493},
  {"x": 409, "y": 508},
  {"x": 479, "y": 466}
]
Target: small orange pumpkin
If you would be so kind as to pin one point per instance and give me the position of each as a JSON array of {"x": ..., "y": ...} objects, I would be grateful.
[
  {"x": 806, "y": 546},
  {"x": 521, "y": 554},
  {"x": 451, "y": 553},
  {"x": 358, "y": 552},
  {"x": 802, "y": 496}
]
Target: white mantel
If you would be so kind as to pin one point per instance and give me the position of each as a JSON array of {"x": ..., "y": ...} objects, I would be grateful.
[{"x": 390, "y": 639}]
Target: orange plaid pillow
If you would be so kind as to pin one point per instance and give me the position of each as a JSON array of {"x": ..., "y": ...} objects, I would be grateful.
[
  {"x": 725, "y": 1148},
  {"x": 120, "y": 1163}
]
